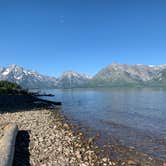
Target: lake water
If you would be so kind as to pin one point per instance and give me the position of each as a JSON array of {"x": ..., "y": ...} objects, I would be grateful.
[{"x": 134, "y": 117}]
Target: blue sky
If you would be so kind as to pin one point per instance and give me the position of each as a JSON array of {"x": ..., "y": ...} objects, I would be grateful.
[{"x": 52, "y": 36}]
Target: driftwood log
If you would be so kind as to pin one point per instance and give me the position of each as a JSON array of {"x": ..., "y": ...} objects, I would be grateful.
[
  {"x": 7, "y": 144},
  {"x": 50, "y": 102}
]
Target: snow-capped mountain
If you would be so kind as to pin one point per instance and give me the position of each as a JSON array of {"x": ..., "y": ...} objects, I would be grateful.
[
  {"x": 112, "y": 75},
  {"x": 32, "y": 79},
  {"x": 26, "y": 78},
  {"x": 71, "y": 79},
  {"x": 122, "y": 74}
]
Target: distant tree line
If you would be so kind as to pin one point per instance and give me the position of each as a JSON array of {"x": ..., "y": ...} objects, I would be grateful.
[{"x": 7, "y": 87}]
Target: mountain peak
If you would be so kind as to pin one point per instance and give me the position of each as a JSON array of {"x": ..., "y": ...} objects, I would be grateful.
[
  {"x": 13, "y": 66},
  {"x": 71, "y": 73},
  {"x": 71, "y": 79}
]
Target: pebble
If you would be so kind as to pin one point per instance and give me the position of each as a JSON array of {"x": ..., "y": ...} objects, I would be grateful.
[{"x": 131, "y": 162}]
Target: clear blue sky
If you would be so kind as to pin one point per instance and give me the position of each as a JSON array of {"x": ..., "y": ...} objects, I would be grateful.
[{"x": 51, "y": 36}]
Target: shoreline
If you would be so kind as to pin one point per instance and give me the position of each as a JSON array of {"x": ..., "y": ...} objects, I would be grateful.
[
  {"x": 49, "y": 138},
  {"x": 114, "y": 150}
]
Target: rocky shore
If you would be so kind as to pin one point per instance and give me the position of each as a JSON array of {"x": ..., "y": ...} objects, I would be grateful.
[
  {"x": 50, "y": 141},
  {"x": 46, "y": 139}
]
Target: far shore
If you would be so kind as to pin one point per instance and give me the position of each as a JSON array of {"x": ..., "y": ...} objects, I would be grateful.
[{"x": 46, "y": 138}]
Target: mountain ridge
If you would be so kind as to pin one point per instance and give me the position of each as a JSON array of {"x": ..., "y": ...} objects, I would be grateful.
[{"x": 112, "y": 75}]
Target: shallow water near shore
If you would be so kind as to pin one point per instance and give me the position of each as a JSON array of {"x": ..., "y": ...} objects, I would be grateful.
[{"x": 133, "y": 117}]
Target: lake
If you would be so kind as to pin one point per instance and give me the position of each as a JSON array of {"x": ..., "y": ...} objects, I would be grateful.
[{"x": 134, "y": 117}]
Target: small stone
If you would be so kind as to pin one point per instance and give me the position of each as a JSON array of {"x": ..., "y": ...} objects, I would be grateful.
[
  {"x": 66, "y": 126},
  {"x": 104, "y": 159},
  {"x": 123, "y": 163},
  {"x": 131, "y": 162},
  {"x": 78, "y": 155},
  {"x": 83, "y": 164}
]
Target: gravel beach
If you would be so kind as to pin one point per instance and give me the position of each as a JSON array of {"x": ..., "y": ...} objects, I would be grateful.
[
  {"x": 45, "y": 139},
  {"x": 50, "y": 143}
]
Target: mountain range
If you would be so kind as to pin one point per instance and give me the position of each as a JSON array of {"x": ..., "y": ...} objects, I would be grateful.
[{"x": 110, "y": 76}]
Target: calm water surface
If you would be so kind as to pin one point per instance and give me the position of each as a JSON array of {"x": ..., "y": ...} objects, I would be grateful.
[{"x": 135, "y": 117}]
